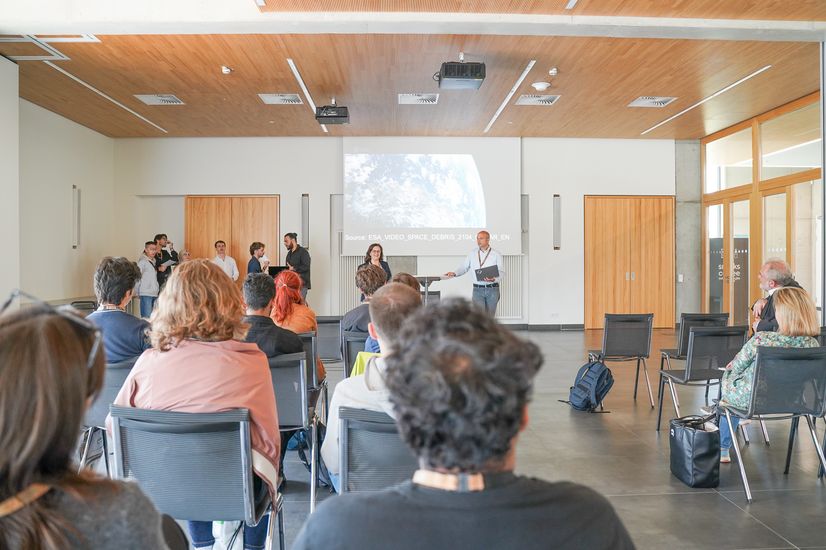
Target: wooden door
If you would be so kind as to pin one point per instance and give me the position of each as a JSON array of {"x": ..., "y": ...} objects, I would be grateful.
[
  {"x": 607, "y": 257},
  {"x": 255, "y": 218},
  {"x": 652, "y": 259},
  {"x": 207, "y": 219}
]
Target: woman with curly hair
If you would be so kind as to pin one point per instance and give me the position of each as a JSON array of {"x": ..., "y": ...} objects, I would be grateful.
[{"x": 199, "y": 363}]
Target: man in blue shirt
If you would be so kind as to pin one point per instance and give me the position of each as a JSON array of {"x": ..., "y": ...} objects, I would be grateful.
[{"x": 124, "y": 335}]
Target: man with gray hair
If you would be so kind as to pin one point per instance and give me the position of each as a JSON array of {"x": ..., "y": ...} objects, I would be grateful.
[{"x": 774, "y": 274}]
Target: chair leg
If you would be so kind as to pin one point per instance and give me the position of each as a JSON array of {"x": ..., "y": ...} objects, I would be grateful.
[
  {"x": 637, "y": 379},
  {"x": 819, "y": 449},
  {"x": 660, "y": 401},
  {"x": 270, "y": 526},
  {"x": 313, "y": 463},
  {"x": 105, "y": 452},
  {"x": 660, "y": 388},
  {"x": 792, "y": 433},
  {"x": 282, "y": 544},
  {"x": 765, "y": 432},
  {"x": 648, "y": 383},
  {"x": 745, "y": 431},
  {"x": 743, "y": 477},
  {"x": 821, "y": 471},
  {"x": 674, "y": 398},
  {"x": 707, "y": 388}
]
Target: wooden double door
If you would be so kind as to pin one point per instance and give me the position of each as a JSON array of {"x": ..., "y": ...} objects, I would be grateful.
[
  {"x": 629, "y": 258},
  {"x": 237, "y": 220}
]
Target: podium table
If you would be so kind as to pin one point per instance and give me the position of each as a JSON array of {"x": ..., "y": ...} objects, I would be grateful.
[{"x": 426, "y": 281}]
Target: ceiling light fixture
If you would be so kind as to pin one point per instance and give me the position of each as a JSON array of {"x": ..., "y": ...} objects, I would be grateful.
[
  {"x": 310, "y": 102},
  {"x": 712, "y": 96},
  {"x": 225, "y": 69},
  {"x": 508, "y": 97},
  {"x": 541, "y": 86},
  {"x": 569, "y": 6}
]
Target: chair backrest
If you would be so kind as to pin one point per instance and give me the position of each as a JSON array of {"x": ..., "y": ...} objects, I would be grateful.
[
  {"x": 627, "y": 334},
  {"x": 711, "y": 348},
  {"x": 310, "y": 342},
  {"x": 822, "y": 337},
  {"x": 85, "y": 307},
  {"x": 372, "y": 455},
  {"x": 790, "y": 381},
  {"x": 289, "y": 383},
  {"x": 193, "y": 466},
  {"x": 352, "y": 343},
  {"x": 113, "y": 380},
  {"x": 691, "y": 320}
]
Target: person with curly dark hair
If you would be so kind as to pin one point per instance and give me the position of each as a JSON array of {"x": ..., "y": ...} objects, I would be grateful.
[{"x": 460, "y": 385}]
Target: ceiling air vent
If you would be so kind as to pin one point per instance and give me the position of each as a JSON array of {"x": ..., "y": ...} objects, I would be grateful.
[
  {"x": 658, "y": 102},
  {"x": 160, "y": 99},
  {"x": 281, "y": 99},
  {"x": 534, "y": 99},
  {"x": 418, "y": 99}
]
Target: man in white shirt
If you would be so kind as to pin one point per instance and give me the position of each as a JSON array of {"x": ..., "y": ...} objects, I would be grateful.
[
  {"x": 227, "y": 263},
  {"x": 486, "y": 291},
  {"x": 389, "y": 307}
]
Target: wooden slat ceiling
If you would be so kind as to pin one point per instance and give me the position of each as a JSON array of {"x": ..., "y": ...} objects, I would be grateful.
[
  {"x": 597, "y": 79},
  {"x": 779, "y": 10}
]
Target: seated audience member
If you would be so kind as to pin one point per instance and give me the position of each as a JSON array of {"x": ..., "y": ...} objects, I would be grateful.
[
  {"x": 51, "y": 367},
  {"x": 371, "y": 345},
  {"x": 774, "y": 274},
  {"x": 256, "y": 253},
  {"x": 149, "y": 287},
  {"x": 291, "y": 312},
  {"x": 185, "y": 255},
  {"x": 797, "y": 327},
  {"x": 368, "y": 280},
  {"x": 460, "y": 385},
  {"x": 390, "y": 305},
  {"x": 124, "y": 335},
  {"x": 199, "y": 363}
]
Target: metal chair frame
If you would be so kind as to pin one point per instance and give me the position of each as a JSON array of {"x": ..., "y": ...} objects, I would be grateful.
[
  {"x": 605, "y": 355},
  {"x": 687, "y": 322},
  {"x": 310, "y": 341},
  {"x": 347, "y": 337}
]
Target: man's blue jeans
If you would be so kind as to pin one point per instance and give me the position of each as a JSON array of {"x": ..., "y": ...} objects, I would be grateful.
[
  {"x": 200, "y": 532},
  {"x": 487, "y": 297},
  {"x": 147, "y": 303}
]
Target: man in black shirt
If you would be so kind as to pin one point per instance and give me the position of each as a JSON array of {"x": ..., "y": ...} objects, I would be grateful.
[
  {"x": 460, "y": 385},
  {"x": 166, "y": 252},
  {"x": 773, "y": 274},
  {"x": 298, "y": 260}
]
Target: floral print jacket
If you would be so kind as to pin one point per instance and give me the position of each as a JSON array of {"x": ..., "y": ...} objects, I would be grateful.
[{"x": 738, "y": 381}]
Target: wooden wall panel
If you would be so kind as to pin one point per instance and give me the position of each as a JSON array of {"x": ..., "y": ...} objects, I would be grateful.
[
  {"x": 606, "y": 258},
  {"x": 652, "y": 259},
  {"x": 207, "y": 219},
  {"x": 254, "y": 218}
]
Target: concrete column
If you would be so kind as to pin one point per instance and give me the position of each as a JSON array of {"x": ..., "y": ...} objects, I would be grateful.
[
  {"x": 9, "y": 176},
  {"x": 689, "y": 209}
]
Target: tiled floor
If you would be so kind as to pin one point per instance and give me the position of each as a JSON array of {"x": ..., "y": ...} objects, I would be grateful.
[{"x": 621, "y": 455}]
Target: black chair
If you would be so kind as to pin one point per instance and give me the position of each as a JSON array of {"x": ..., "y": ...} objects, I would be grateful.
[
  {"x": 709, "y": 350},
  {"x": 372, "y": 455},
  {"x": 822, "y": 337},
  {"x": 627, "y": 337},
  {"x": 95, "y": 421},
  {"x": 788, "y": 383},
  {"x": 296, "y": 405},
  {"x": 310, "y": 342},
  {"x": 85, "y": 307},
  {"x": 193, "y": 466},
  {"x": 352, "y": 343}
]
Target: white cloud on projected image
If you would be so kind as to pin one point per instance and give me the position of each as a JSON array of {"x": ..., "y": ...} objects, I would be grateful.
[{"x": 414, "y": 190}]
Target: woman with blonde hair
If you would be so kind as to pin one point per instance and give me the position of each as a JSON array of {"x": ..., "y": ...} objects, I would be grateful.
[
  {"x": 51, "y": 366},
  {"x": 199, "y": 363},
  {"x": 797, "y": 328},
  {"x": 291, "y": 312}
]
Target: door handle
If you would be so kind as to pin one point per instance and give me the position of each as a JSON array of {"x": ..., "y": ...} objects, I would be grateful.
[
  {"x": 633, "y": 276},
  {"x": 627, "y": 277}
]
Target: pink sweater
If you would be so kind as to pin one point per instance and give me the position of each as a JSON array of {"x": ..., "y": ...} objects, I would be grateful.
[{"x": 210, "y": 377}]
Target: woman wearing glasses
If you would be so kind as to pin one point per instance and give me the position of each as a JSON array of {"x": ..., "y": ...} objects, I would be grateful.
[
  {"x": 199, "y": 363},
  {"x": 51, "y": 367}
]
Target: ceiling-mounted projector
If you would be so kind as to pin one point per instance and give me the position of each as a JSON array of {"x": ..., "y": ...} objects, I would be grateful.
[
  {"x": 458, "y": 75},
  {"x": 332, "y": 114}
]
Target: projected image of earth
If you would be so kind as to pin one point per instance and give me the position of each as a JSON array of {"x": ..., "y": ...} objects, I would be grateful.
[{"x": 414, "y": 190}]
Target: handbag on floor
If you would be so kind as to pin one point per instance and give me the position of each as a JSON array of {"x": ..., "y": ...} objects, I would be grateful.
[{"x": 695, "y": 451}]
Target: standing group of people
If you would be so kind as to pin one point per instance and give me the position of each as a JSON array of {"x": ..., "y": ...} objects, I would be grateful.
[{"x": 155, "y": 264}]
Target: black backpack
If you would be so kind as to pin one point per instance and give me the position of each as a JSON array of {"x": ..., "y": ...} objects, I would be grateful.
[{"x": 592, "y": 383}]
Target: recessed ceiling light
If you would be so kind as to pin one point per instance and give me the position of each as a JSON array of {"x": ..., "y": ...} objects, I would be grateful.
[
  {"x": 541, "y": 86},
  {"x": 569, "y": 6},
  {"x": 225, "y": 69}
]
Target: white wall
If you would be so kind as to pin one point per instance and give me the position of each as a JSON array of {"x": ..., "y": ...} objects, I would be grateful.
[
  {"x": 56, "y": 153},
  {"x": 573, "y": 168},
  {"x": 9, "y": 177}
]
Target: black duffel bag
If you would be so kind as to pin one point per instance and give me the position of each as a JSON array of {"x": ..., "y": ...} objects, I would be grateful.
[{"x": 695, "y": 451}]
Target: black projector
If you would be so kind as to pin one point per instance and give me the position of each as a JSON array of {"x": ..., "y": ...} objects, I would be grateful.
[
  {"x": 456, "y": 75},
  {"x": 332, "y": 114}
]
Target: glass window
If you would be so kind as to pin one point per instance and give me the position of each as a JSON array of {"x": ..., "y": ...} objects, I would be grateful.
[
  {"x": 739, "y": 312},
  {"x": 714, "y": 227},
  {"x": 728, "y": 161},
  {"x": 790, "y": 143},
  {"x": 774, "y": 227},
  {"x": 807, "y": 236}
]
